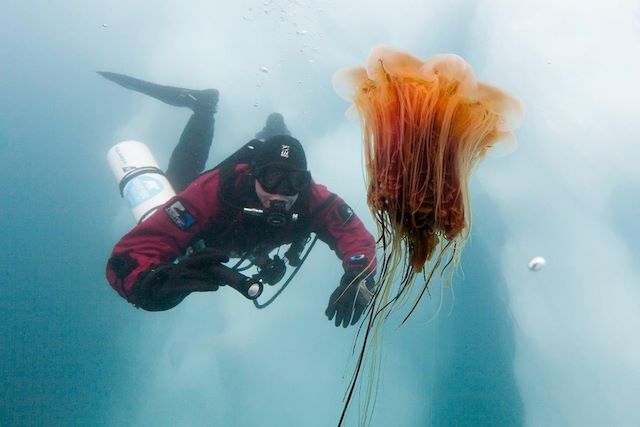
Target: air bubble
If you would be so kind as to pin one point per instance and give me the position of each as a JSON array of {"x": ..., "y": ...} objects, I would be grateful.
[{"x": 536, "y": 263}]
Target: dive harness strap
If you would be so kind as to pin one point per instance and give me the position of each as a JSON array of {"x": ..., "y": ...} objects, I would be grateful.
[{"x": 322, "y": 207}]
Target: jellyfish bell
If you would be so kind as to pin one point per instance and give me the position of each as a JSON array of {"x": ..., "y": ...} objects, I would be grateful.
[
  {"x": 345, "y": 83},
  {"x": 395, "y": 62},
  {"x": 450, "y": 67},
  {"x": 507, "y": 108},
  {"x": 503, "y": 144}
]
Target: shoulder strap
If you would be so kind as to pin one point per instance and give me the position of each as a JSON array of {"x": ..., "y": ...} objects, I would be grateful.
[
  {"x": 227, "y": 168},
  {"x": 244, "y": 154}
]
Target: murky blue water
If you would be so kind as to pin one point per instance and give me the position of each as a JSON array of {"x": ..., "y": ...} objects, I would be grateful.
[{"x": 555, "y": 347}]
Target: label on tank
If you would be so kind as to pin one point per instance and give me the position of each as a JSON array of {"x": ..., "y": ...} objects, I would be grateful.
[{"x": 142, "y": 188}]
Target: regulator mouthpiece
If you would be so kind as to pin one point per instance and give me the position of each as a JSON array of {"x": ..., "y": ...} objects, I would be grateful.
[{"x": 275, "y": 215}]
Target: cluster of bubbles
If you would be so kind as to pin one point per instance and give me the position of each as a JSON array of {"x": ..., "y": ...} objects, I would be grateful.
[{"x": 290, "y": 16}]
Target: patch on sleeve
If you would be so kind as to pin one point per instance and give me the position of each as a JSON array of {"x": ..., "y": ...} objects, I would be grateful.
[
  {"x": 180, "y": 215},
  {"x": 345, "y": 212}
]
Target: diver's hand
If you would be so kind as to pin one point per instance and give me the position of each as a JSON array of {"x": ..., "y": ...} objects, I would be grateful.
[
  {"x": 349, "y": 300},
  {"x": 194, "y": 272},
  {"x": 164, "y": 286}
]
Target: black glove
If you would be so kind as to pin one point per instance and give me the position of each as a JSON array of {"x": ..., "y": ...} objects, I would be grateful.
[
  {"x": 166, "y": 285},
  {"x": 348, "y": 301}
]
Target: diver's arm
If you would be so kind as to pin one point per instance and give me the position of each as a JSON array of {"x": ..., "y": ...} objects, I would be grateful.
[
  {"x": 150, "y": 248},
  {"x": 338, "y": 226}
]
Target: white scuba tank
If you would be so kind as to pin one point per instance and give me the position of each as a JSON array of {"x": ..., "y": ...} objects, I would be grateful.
[{"x": 142, "y": 183}]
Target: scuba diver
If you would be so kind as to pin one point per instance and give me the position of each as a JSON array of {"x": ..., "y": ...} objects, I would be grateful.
[{"x": 260, "y": 198}]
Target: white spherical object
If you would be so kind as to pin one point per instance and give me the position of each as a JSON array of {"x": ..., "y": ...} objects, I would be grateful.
[{"x": 536, "y": 263}]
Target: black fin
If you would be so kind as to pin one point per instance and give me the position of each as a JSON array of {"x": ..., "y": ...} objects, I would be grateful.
[{"x": 197, "y": 100}]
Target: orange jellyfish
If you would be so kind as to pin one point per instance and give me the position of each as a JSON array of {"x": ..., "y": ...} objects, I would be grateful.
[{"x": 425, "y": 124}]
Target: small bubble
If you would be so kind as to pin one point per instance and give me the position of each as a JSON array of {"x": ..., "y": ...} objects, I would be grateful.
[
  {"x": 105, "y": 25},
  {"x": 264, "y": 70},
  {"x": 255, "y": 105},
  {"x": 536, "y": 263},
  {"x": 301, "y": 32}
]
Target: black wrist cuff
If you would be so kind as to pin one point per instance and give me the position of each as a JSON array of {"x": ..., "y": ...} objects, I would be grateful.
[{"x": 153, "y": 289}]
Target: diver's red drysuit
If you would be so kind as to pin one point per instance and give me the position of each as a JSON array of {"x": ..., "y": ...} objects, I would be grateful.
[{"x": 211, "y": 209}]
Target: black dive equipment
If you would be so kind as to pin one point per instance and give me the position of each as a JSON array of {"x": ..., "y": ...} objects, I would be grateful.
[
  {"x": 250, "y": 287},
  {"x": 270, "y": 270},
  {"x": 275, "y": 215},
  {"x": 297, "y": 247},
  {"x": 279, "y": 180}
]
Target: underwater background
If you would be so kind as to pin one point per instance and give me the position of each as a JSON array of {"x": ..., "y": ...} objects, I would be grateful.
[{"x": 504, "y": 346}]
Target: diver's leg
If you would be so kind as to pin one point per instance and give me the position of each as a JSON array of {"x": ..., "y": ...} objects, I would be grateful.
[
  {"x": 176, "y": 96},
  {"x": 274, "y": 126},
  {"x": 190, "y": 155}
]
